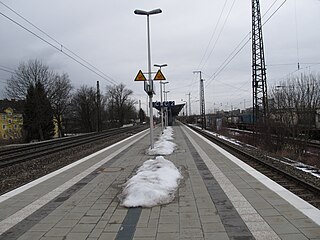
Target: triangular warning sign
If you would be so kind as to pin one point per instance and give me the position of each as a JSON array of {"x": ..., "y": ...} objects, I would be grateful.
[
  {"x": 159, "y": 76},
  {"x": 140, "y": 76}
]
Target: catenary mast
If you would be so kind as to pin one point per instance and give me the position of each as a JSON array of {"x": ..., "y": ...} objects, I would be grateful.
[{"x": 259, "y": 76}]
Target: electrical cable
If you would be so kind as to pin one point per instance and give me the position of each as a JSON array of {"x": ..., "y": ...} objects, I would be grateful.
[
  {"x": 274, "y": 2},
  {"x": 229, "y": 85},
  {"x": 5, "y": 70},
  {"x": 212, "y": 35},
  {"x": 215, "y": 43},
  {"x": 100, "y": 74},
  {"x": 227, "y": 61},
  {"x": 296, "y": 25},
  {"x": 274, "y": 12}
]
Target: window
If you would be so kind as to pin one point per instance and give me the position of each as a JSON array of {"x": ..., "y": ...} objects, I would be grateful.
[
  {"x": 15, "y": 126},
  {"x": 3, "y": 117},
  {"x": 3, "y": 126},
  {"x": 10, "y": 121},
  {"x": 15, "y": 117}
]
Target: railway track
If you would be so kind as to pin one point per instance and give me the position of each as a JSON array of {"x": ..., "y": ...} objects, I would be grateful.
[
  {"x": 13, "y": 155},
  {"x": 297, "y": 185},
  {"x": 312, "y": 144}
]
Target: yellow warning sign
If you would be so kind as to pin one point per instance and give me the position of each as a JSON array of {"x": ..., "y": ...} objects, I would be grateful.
[
  {"x": 140, "y": 76},
  {"x": 159, "y": 76}
]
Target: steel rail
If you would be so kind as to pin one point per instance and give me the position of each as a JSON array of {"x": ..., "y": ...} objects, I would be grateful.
[
  {"x": 5, "y": 150},
  {"x": 309, "y": 143},
  {"x": 50, "y": 148}
]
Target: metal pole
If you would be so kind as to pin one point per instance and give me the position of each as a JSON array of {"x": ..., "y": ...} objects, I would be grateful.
[
  {"x": 189, "y": 103},
  {"x": 161, "y": 99},
  {"x": 186, "y": 108},
  {"x": 150, "y": 85},
  {"x": 202, "y": 104},
  {"x": 161, "y": 106},
  {"x": 167, "y": 109},
  {"x": 165, "y": 112},
  {"x": 98, "y": 108}
]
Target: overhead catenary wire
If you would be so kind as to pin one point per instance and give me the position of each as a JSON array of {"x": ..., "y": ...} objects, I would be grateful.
[
  {"x": 235, "y": 52},
  {"x": 219, "y": 35},
  {"x": 289, "y": 74},
  {"x": 216, "y": 26},
  {"x": 288, "y": 64},
  {"x": 297, "y": 39},
  {"x": 213, "y": 34},
  {"x": 6, "y": 70},
  {"x": 229, "y": 85},
  {"x": 61, "y": 47}
]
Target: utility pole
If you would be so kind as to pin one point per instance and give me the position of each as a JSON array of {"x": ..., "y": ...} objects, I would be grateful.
[
  {"x": 98, "y": 108},
  {"x": 259, "y": 75},
  {"x": 202, "y": 102},
  {"x": 161, "y": 106},
  {"x": 150, "y": 89},
  {"x": 189, "y": 94},
  {"x": 147, "y": 107}
]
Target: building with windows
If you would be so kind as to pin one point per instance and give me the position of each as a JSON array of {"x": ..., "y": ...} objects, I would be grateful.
[{"x": 11, "y": 119}]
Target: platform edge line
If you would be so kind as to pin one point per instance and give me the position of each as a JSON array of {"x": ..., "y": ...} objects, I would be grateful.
[{"x": 306, "y": 208}]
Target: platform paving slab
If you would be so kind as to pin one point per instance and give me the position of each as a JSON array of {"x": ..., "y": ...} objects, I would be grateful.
[{"x": 216, "y": 199}]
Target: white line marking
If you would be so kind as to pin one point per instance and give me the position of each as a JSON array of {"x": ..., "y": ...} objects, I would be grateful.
[
  {"x": 258, "y": 227},
  {"x": 306, "y": 208},
  {"x": 32, "y": 207}
]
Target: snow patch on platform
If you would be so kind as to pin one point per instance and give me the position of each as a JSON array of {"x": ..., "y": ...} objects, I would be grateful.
[
  {"x": 155, "y": 183},
  {"x": 163, "y": 146}
]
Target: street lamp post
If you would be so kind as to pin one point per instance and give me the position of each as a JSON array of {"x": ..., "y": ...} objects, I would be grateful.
[
  {"x": 161, "y": 107},
  {"x": 162, "y": 113},
  {"x": 150, "y": 87},
  {"x": 165, "y": 112},
  {"x": 186, "y": 103},
  {"x": 166, "y": 108}
]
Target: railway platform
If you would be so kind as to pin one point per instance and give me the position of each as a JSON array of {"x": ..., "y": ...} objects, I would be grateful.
[{"x": 218, "y": 198}]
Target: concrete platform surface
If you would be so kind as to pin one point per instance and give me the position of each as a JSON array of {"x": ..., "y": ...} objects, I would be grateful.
[{"x": 219, "y": 198}]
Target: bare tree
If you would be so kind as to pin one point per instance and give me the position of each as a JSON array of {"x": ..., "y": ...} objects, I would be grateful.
[
  {"x": 32, "y": 72},
  {"x": 120, "y": 105},
  {"x": 295, "y": 104},
  {"x": 60, "y": 98},
  {"x": 84, "y": 108}
]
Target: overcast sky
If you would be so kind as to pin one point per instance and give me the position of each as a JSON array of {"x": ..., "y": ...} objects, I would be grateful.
[{"x": 112, "y": 38}]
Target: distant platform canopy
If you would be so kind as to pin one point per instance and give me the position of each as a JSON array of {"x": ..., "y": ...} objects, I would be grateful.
[{"x": 173, "y": 111}]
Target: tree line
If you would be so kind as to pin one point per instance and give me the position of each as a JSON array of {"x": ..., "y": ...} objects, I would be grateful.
[
  {"x": 51, "y": 100},
  {"x": 294, "y": 111}
]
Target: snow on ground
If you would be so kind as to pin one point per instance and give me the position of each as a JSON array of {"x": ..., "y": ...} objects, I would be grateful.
[
  {"x": 167, "y": 133},
  {"x": 163, "y": 146},
  {"x": 302, "y": 167},
  {"x": 234, "y": 141},
  {"x": 155, "y": 183}
]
